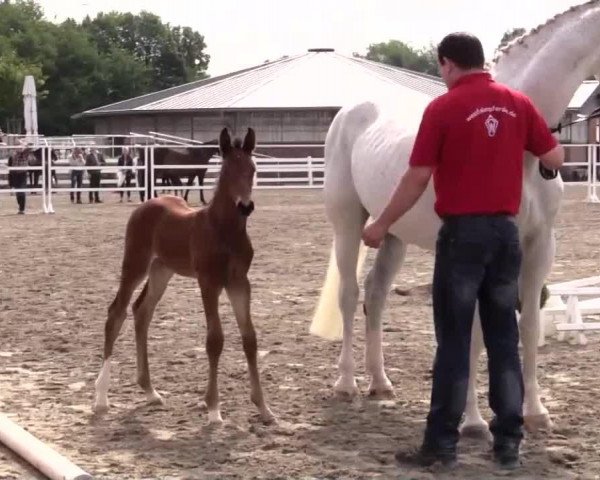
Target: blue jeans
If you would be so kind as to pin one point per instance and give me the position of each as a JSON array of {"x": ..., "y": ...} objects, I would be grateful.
[
  {"x": 478, "y": 258},
  {"x": 76, "y": 182}
]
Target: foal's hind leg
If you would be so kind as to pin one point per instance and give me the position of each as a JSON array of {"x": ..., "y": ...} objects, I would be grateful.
[
  {"x": 239, "y": 296},
  {"x": 143, "y": 309},
  {"x": 201, "y": 175},
  {"x": 377, "y": 286},
  {"x": 117, "y": 312}
]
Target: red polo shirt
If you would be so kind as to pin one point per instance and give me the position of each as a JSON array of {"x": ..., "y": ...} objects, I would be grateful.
[{"x": 474, "y": 137}]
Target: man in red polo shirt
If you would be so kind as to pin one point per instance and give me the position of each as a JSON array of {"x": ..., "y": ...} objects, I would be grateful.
[{"x": 472, "y": 140}]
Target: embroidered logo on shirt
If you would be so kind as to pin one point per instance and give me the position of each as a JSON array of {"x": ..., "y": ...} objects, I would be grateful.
[{"x": 491, "y": 125}]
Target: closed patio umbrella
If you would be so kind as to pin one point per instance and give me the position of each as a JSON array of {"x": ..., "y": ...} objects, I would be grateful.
[{"x": 30, "y": 108}]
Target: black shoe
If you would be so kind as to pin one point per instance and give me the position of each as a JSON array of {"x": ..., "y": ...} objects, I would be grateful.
[
  {"x": 426, "y": 457},
  {"x": 506, "y": 455}
]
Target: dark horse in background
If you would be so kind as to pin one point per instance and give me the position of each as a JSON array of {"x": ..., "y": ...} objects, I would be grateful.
[
  {"x": 36, "y": 161},
  {"x": 172, "y": 156}
]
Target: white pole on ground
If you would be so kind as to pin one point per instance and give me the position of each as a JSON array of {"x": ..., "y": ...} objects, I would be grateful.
[
  {"x": 49, "y": 192},
  {"x": 49, "y": 462},
  {"x": 44, "y": 200}
]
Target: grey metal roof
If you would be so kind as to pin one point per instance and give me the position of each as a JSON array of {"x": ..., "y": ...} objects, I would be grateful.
[
  {"x": 319, "y": 78},
  {"x": 583, "y": 94}
]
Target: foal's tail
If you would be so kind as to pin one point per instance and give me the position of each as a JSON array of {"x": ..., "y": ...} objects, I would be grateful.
[{"x": 327, "y": 321}]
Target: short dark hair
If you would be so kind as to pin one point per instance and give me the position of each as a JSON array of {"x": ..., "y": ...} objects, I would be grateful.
[{"x": 464, "y": 49}]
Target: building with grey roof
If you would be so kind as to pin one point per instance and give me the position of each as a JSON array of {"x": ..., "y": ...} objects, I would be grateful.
[
  {"x": 290, "y": 100},
  {"x": 293, "y": 101}
]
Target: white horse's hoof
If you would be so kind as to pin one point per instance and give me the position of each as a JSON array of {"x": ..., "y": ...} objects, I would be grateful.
[
  {"x": 382, "y": 392},
  {"x": 345, "y": 387},
  {"x": 534, "y": 423},
  {"x": 381, "y": 389},
  {"x": 478, "y": 431}
]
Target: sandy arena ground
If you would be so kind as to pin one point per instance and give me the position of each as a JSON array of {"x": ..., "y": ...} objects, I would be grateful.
[{"x": 58, "y": 275}]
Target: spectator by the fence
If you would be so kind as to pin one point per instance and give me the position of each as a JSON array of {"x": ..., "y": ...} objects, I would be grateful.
[
  {"x": 125, "y": 160},
  {"x": 18, "y": 178},
  {"x": 141, "y": 176},
  {"x": 95, "y": 159},
  {"x": 77, "y": 161}
]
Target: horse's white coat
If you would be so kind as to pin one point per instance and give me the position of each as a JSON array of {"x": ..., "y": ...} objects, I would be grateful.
[{"x": 367, "y": 151}]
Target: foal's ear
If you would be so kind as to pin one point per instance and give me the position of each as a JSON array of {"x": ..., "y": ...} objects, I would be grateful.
[
  {"x": 249, "y": 141},
  {"x": 224, "y": 142}
]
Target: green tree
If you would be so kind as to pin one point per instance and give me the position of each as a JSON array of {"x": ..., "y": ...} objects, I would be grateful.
[
  {"x": 12, "y": 75},
  {"x": 509, "y": 36},
  {"x": 78, "y": 66},
  {"x": 399, "y": 54},
  {"x": 20, "y": 51},
  {"x": 173, "y": 55}
]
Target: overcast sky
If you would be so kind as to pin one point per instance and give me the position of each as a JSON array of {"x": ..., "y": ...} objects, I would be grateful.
[{"x": 242, "y": 33}]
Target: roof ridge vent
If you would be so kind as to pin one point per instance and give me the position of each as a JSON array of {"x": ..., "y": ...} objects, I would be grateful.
[{"x": 319, "y": 50}]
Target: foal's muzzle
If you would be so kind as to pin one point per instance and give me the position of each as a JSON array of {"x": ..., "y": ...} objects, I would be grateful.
[{"x": 245, "y": 210}]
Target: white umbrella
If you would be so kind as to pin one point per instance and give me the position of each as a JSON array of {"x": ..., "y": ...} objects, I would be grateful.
[{"x": 30, "y": 108}]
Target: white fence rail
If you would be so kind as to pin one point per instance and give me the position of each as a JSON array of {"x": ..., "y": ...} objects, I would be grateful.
[
  {"x": 581, "y": 168},
  {"x": 271, "y": 172}
]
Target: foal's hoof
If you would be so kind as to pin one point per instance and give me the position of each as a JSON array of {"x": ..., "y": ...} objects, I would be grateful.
[
  {"x": 534, "y": 423},
  {"x": 267, "y": 417},
  {"x": 100, "y": 405},
  {"x": 214, "y": 418},
  {"x": 154, "y": 398},
  {"x": 100, "y": 408}
]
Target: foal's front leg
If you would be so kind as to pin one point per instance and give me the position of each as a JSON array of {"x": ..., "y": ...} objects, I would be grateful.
[
  {"x": 214, "y": 347},
  {"x": 239, "y": 296}
]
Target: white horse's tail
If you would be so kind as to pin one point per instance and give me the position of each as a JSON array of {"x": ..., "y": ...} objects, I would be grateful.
[
  {"x": 342, "y": 203},
  {"x": 327, "y": 320}
]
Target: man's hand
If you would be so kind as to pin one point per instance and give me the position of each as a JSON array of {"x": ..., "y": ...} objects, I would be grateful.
[{"x": 373, "y": 234}]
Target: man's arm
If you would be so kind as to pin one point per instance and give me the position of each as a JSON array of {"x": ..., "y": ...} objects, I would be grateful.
[
  {"x": 541, "y": 142},
  {"x": 553, "y": 159}
]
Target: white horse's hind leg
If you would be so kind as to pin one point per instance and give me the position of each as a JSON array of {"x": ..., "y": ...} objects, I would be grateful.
[
  {"x": 377, "y": 285},
  {"x": 347, "y": 244},
  {"x": 347, "y": 215},
  {"x": 473, "y": 424},
  {"x": 538, "y": 255}
]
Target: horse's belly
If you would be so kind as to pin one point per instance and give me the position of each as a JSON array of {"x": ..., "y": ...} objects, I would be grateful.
[{"x": 379, "y": 159}]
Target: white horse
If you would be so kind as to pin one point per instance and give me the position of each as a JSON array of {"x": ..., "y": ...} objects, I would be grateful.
[{"x": 366, "y": 153}]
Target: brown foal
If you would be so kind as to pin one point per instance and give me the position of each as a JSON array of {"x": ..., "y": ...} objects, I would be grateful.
[{"x": 165, "y": 236}]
